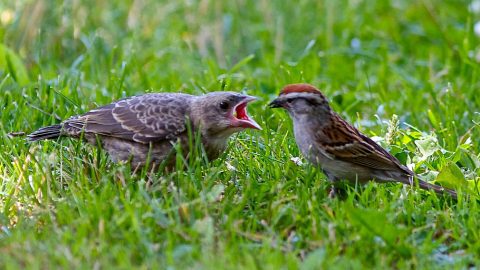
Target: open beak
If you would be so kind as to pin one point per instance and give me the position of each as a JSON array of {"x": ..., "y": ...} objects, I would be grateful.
[
  {"x": 241, "y": 117},
  {"x": 275, "y": 104}
]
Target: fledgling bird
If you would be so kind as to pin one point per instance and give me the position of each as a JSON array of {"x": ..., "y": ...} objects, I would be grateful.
[
  {"x": 147, "y": 127},
  {"x": 342, "y": 152}
]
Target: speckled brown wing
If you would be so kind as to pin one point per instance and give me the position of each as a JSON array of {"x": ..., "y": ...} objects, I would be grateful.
[
  {"x": 144, "y": 119},
  {"x": 346, "y": 143}
]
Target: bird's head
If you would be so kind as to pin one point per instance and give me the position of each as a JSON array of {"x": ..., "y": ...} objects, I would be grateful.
[
  {"x": 302, "y": 100},
  {"x": 223, "y": 113}
]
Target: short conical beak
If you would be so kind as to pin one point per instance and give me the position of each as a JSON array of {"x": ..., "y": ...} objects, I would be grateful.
[{"x": 275, "y": 104}]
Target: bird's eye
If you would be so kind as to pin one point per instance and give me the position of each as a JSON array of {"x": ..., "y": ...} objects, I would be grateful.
[
  {"x": 223, "y": 105},
  {"x": 290, "y": 100}
]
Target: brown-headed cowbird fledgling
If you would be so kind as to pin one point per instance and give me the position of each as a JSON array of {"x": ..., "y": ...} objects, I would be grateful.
[
  {"x": 342, "y": 151},
  {"x": 147, "y": 127}
]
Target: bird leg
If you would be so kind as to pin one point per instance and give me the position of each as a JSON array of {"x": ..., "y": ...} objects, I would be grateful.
[{"x": 332, "y": 192}]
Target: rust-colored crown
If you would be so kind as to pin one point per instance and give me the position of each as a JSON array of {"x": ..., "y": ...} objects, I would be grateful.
[{"x": 300, "y": 88}]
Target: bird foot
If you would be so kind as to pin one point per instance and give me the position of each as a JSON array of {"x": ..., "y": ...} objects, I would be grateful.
[{"x": 332, "y": 193}]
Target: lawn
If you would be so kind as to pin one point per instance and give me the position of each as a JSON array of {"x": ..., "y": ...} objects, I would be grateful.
[{"x": 404, "y": 72}]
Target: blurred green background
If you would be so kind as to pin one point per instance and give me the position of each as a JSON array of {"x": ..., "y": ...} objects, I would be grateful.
[
  {"x": 386, "y": 52},
  {"x": 373, "y": 59}
]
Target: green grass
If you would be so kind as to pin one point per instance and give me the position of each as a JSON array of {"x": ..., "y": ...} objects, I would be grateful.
[{"x": 66, "y": 205}]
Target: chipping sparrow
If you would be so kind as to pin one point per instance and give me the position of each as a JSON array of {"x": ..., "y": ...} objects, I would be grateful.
[
  {"x": 131, "y": 129},
  {"x": 342, "y": 152}
]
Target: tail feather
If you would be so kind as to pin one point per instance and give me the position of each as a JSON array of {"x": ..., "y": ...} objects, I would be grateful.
[
  {"x": 50, "y": 132},
  {"x": 408, "y": 178},
  {"x": 438, "y": 189}
]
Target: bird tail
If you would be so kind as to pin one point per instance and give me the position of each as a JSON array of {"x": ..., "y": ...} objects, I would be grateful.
[
  {"x": 50, "y": 132},
  {"x": 438, "y": 189}
]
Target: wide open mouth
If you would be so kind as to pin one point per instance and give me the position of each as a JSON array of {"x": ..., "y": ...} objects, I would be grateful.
[{"x": 241, "y": 117}]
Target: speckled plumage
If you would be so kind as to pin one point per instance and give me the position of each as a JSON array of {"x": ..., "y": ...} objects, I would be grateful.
[{"x": 148, "y": 126}]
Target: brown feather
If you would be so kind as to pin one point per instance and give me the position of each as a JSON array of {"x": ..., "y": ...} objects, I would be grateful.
[
  {"x": 144, "y": 119},
  {"x": 352, "y": 146}
]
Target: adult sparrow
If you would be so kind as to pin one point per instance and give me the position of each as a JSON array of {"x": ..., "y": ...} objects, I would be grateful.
[
  {"x": 147, "y": 127},
  {"x": 338, "y": 148}
]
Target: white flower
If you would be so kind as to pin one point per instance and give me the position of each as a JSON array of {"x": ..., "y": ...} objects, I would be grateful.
[
  {"x": 230, "y": 166},
  {"x": 474, "y": 6},
  {"x": 476, "y": 28},
  {"x": 355, "y": 43},
  {"x": 297, "y": 161}
]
